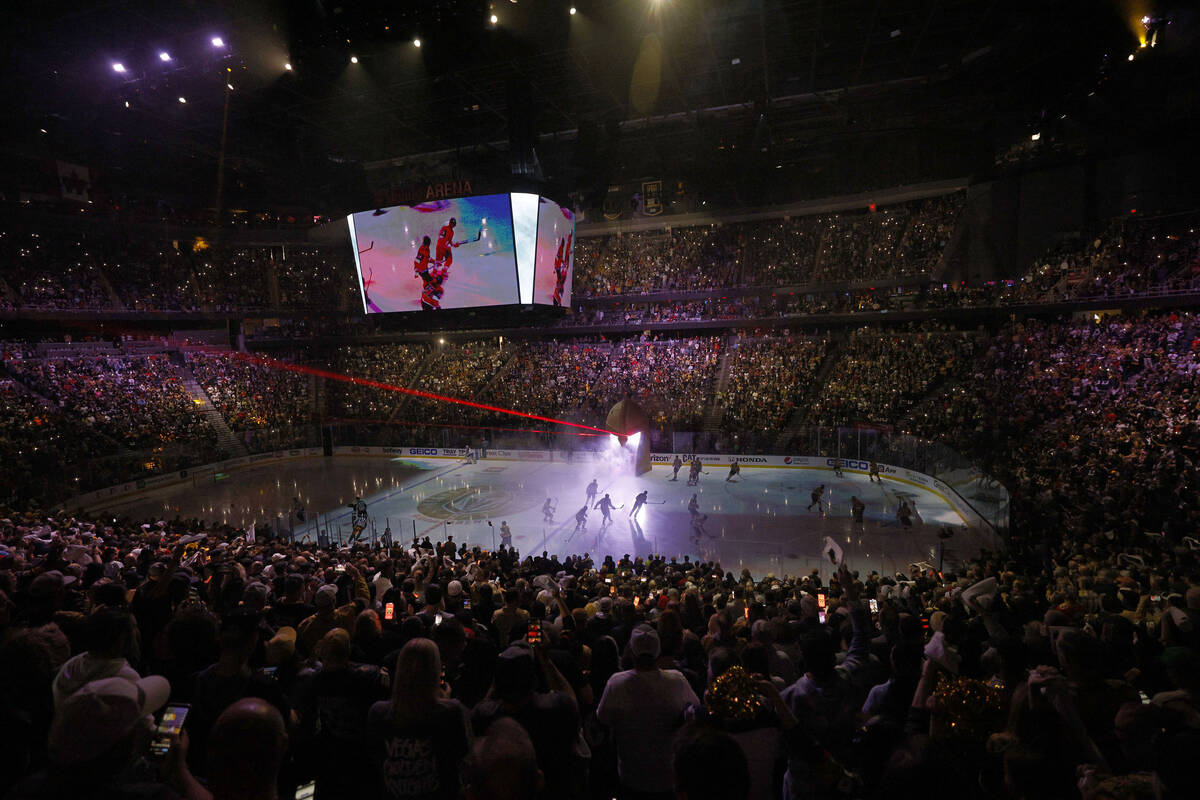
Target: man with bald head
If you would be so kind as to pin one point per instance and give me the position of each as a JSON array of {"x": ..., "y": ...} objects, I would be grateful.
[{"x": 245, "y": 751}]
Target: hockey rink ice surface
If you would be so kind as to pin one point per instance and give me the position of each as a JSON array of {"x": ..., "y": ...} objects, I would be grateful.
[{"x": 758, "y": 521}]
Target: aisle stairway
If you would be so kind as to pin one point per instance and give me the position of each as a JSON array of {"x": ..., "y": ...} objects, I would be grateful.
[
  {"x": 716, "y": 410},
  {"x": 799, "y": 420},
  {"x": 227, "y": 440}
]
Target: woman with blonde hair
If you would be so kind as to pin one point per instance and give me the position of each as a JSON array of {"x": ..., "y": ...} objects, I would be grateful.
[{"x": 419, "y": 738}]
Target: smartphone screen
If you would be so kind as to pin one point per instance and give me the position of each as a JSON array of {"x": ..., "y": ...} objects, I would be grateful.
[
  {"x": 874, "y": 605},
  {"x": 306, "y": 791},
  {"x": 170, "y": 724},
  {"x": 467, "y": 604},
  {"x": 821, "y": 617},
  {"x": 821, "y": 600},
  {"x": 534, "y": 636},
  {"x": 389, "y": 611}
]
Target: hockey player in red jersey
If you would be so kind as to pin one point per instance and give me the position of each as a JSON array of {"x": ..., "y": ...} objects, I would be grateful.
[
  {"x": 445, "y": 256},
  {"x": 432, "y": 290},
  {"x": 560, "y": 274},
  {"x": 422, "y": 262}
]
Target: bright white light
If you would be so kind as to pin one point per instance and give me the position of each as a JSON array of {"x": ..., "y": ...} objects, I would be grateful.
[
  {"x": 217, "y": 41},
  {"x": 1131, "y": 56},
  {"x": 288, "y": 67},
  {"x": 441, "y": 341},
  {"x": 416, "y": 42},
  {"x": 127, "y": 104},
  {"x": 43, "y": 130},
  {"x": 1036, "y": 136},
  {"x": 572, "y": 11},
  {"x": 118, "y": 66},
  {"x": 164, "y": 56},
  {"x": 634, "y": 439},
  {"x": 353, "y": 59},
  {"x": 229, "y": 86},
  {"x": 493, "y": 19},
  {"x": 183, "y": 99}
]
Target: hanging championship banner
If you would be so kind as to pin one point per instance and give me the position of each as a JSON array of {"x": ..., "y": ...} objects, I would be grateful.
[{"x": 652, "y": 199}]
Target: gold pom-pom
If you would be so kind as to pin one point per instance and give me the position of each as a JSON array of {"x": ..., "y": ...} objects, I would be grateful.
[{"x": 734, "y": 695}]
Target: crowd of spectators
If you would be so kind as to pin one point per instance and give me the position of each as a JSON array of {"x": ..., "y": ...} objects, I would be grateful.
[
  {"x": 250, "y": 394},
  {"x": 136, "y": 401},
  {"x": 1067, "y": 667},
  {"x": 878, "y": 376},
  {"x": 767, "y": 378},
  {"x": 1090, "y": 424},
  {"x": 51, "y": 271}
]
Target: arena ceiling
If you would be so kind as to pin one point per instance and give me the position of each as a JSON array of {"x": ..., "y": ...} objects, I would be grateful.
[{"x": 808, "y": 66}]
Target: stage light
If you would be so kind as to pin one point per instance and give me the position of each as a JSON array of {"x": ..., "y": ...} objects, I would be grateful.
[
  {"x": 229, "y": 86},
  {"x": 353, "y": 59},
  {"x": 572, "y": 11},
  {"x": 183, "y": 99},
  {"x": 634, "y": 439},
  {"x": 118, "y": 67},
  {"x": 416, "y": 42},
  {"x": 1036, "y": 136},
  {"x": 43, "y": 130},
  {"x": 494, "y": 19},
  {"x": 164, "y": 56},
  {"x": 217, "y": 41},
  {"x": 288, "y": 67},
  {"x": 1131, "y": 56},
  {"x": 127, "y": 104}
]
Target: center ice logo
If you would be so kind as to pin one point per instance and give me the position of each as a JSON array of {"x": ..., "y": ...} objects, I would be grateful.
[{"x": 476, "y": 502}]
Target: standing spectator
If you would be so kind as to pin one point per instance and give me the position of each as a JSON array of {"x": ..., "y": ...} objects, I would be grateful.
[
  {"x": 644, "y": 707},
  {"x": 418, "y": 739}
]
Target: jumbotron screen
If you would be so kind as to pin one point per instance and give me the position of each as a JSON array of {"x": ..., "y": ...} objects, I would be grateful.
[{"x": 493, "y": 250}]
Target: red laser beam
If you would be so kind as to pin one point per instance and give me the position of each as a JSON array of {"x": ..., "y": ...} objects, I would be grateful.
[
  {"x": 422, "y": 424},
  {"x": 391, "y": 387}
]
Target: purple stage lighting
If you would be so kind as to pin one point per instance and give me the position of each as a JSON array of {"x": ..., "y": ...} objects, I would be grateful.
[
  {"x": 217, "y": 41},
  {"x": 118, "y": 67},
  {"x": 164, "y": 56}
]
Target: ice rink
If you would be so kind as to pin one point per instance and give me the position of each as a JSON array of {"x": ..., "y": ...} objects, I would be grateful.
[{"x": 759, "y": 520}]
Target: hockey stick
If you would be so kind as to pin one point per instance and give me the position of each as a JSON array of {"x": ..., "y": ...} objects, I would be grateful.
[{"x": 478, "y": 236}]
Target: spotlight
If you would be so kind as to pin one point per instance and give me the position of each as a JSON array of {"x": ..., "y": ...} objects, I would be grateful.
[
  {"x": 164, "y": 56},
  {"x": 217, "y": 41},
  {"x": 353, "y": 59},
  {"x": 118, "y": 67},
  {"x": 183, "y": 99},
  {"x": 572, "y": 11},
  {"x": 127, "y": 104},
  {"x": 43, "y": 130},
  {"x": 1036, "y": 136},
  {"x": 494, "y": 19},
  {"x": 229, "y": 86},
  {"x": 416, "y": 42},
  {"x": 288, "y": 67}
]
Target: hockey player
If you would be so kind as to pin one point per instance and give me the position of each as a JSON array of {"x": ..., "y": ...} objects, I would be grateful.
[
  {"x": 638, "y": 502},
  {"x": 592, "y": 488},
  {"x": 694, "y": 474},
  {"x": 857, "y": 509},
  {"x": 562, "y": 267},
  {"x": 422, "y": 262},
  {"x": 606, "y": 506},
  {"x": 432, "y": 290},
  {"x": 837, "y": 467},
  {"x": 676, "y": 466},
  {"x": 581, "y": 519},
  {"x": 505, "y": 535},
  {"x": 734, "y": 470},
  {"x": 445, "y": 256},
  {"x": 548, "y": 511},
  {"x": 873, "y": 472},
  {"x": 817, "y": 493}
]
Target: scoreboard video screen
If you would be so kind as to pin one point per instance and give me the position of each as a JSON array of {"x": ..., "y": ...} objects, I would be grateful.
[{"x": 469, "y": 252}]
